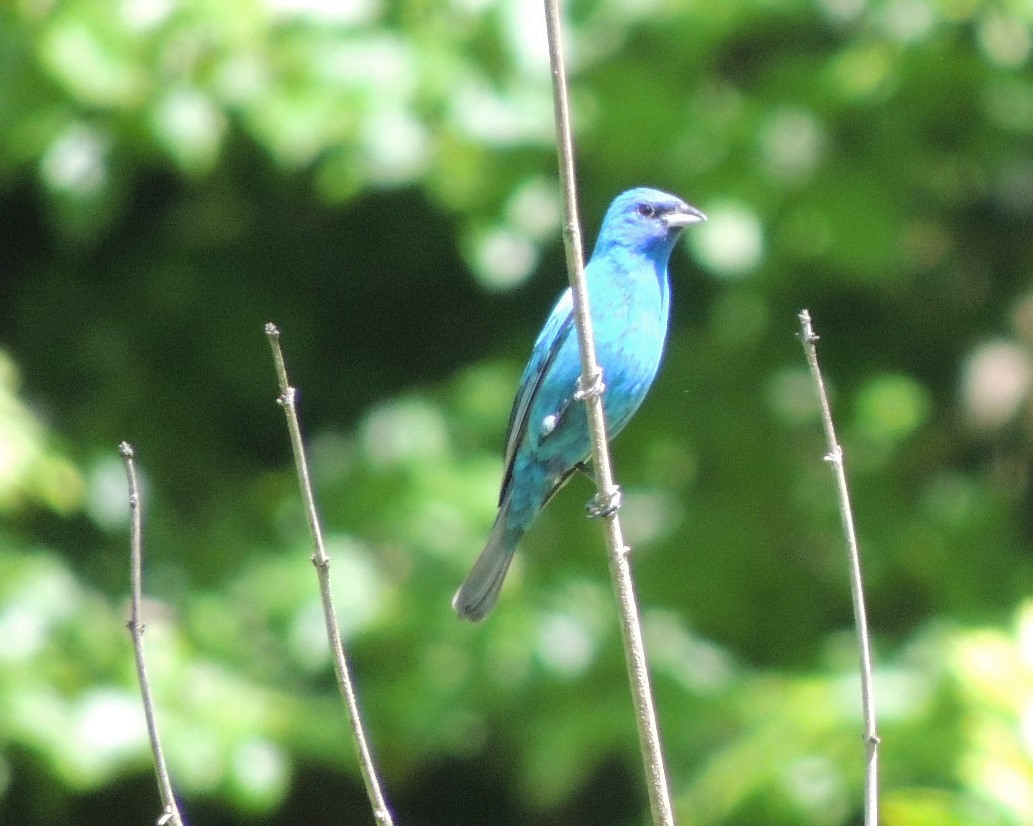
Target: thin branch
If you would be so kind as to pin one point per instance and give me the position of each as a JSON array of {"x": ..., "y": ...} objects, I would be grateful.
[
  {"x": 170, "y": 811},
  {"x": 835, "y": 459},
  {"x": 321, "y": 561},
  {"x": 590, "y": 389}
]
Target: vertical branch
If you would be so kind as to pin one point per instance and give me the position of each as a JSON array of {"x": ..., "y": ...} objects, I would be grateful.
[
  {"x": 835, "y": 459},
  {"x": 381, "y": 812},
  {"x": 590, "y": 389},
  {"x": 170, "y": 814}
]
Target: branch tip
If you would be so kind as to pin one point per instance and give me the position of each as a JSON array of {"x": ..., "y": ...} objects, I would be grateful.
[
  {"x": 136, "y": 629},
  {"x": 806, "y": 334},
  {"x": 834, "y": 457},
  {"x": 321, "y": 562}
]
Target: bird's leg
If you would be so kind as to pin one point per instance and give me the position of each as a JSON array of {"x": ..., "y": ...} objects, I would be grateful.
[
  {"x": 603, "y": 505},
  {"x": 600, "y": 505}
]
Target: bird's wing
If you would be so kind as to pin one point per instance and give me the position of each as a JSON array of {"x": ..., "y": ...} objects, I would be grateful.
[{"x": 551, "y": 339}]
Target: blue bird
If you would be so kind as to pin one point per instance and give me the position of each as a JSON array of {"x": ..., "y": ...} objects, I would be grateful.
[{"x": 548, "y": 438}]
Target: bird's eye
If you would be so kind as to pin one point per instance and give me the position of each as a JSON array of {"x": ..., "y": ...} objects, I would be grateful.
[{"x": 647, "y": 210}]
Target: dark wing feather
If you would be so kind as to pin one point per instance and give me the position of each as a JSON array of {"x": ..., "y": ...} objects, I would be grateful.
[{"x": 551, "y": 339}]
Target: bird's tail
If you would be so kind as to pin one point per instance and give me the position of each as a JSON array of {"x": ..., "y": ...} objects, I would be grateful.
[{"x": 480, "y": 590}]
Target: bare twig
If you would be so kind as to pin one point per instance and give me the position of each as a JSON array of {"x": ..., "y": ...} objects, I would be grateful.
[
  {"x": 170, "y": 811},
  {"x": 835, "y": 459},
  {"x": 321, "y": 561},
  {"x": 590, "y": 390}
]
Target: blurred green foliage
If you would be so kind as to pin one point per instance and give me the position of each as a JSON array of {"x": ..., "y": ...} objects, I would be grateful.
[{"x": 378, "y": 178}]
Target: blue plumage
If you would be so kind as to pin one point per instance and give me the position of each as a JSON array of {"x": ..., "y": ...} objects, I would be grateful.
[{"x": 628, "y": 296}]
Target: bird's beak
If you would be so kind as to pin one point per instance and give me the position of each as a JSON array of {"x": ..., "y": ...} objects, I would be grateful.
[{"x": 684, "y": 216}]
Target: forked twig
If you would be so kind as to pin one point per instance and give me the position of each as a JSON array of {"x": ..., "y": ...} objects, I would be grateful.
[
  {"x": 590, "y": 390},
  {"x": 835, "y": 458},
  {"x": 170, "y": 811},
  {"x": 321, "y": 561}
]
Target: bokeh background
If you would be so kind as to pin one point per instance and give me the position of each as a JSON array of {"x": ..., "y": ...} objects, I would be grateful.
[{"x": 379, "y": 178}]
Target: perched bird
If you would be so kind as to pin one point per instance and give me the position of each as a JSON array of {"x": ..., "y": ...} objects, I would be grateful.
[{"x": 548, "y": 439}]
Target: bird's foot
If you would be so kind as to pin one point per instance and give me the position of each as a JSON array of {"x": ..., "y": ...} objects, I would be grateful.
[
  {"x": 605, "y": 504},
  {"x": 587, "y": 389}
]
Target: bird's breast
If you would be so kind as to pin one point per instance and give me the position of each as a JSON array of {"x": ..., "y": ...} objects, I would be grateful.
[{"x": 630, "y": 336}]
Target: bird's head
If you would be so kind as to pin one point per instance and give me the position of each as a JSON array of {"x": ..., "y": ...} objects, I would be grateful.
[{"x": 646, "y": 221}]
